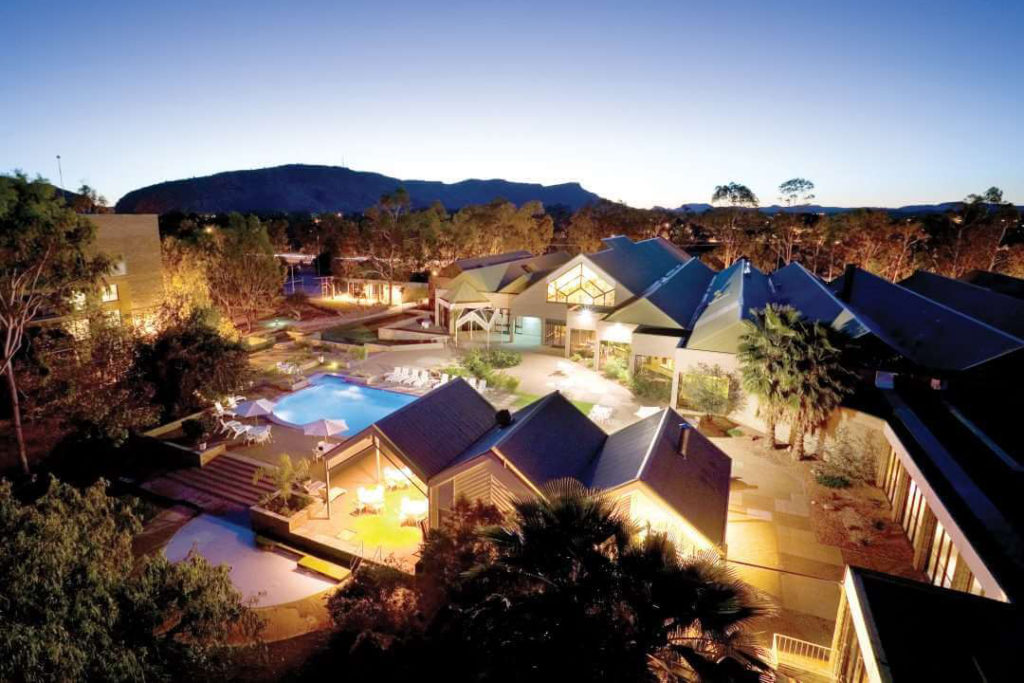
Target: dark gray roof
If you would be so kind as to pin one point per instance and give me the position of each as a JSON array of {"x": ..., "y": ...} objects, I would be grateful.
[
  {"x": 638, "y": 265},
  {"x": 996, "y": 282},
  {"x": 695, "y": 484},
  {"x": 922, "y": 632},
  {"x": 794, "y": 285},
  {"x": 998, "y": 310},
  {"x": 924, "y": 331},
  {"x": 534, "y": 267},
  {"x": 551, "y": 439},
  {"x": 681, "y": 291},
  {"x": 437, "y": 427},
  {"x": 494, "y": 259},
  {"x": 977, "y": 473}
]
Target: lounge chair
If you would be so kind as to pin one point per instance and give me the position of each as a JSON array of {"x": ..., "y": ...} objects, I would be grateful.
[
  {"x": 444, "y": 379},
  {"x": 471, "y": 381},
  {"x": 412, "y": 375},
  {"x": 481, "y": 385},
  {"x": 422, "y": 380},
  {"x": 221, "y": 411},
  {"x": 233, "y": 401},
  {"x": 237, "y": 428},
  {"x": 396, "y": 374}
]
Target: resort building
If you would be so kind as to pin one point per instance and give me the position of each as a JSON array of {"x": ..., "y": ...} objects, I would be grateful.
[
  {"x": 891, "y": 629},
  {"x": 135, "y": 288},
  {"x": 450, "y": 443}
]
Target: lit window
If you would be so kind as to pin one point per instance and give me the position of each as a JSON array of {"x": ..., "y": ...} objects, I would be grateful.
[
  {"x": 580, "y": 285},
  {"x": 109, "y": 293},
  {"x": 119, "y": 267},
  {"x": 78, "y": 301}
]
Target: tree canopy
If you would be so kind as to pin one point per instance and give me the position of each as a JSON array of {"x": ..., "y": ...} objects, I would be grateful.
[{"x": 77, "y": 605}]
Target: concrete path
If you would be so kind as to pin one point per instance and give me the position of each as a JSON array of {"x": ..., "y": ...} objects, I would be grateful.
[{"x": 772, "y": 545}]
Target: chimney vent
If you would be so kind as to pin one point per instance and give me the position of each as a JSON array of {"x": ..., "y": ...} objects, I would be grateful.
[
  {"x": 684, "y": 438},
  {"x": 503, "y": 418}
]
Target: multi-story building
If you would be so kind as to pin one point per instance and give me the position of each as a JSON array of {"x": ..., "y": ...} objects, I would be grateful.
[{"x": 134, "y": 288}]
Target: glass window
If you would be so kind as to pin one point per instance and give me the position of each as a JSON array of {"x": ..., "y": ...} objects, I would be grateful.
[
  {"x": 109, "y": 293},
  {"x": 580, "y": 285},
  {"x": 120, "y": 267},
  {"x": 554, "y": 333},
  {"x": 943, "y": 558}
]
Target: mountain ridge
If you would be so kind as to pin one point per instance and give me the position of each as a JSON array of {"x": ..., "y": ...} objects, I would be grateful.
[{"x": 317, "y": 189}]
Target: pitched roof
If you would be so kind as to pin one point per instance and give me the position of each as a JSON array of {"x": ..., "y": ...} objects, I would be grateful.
[
  {"x": 494, "y": 259},
  {"x": 996, "y": 282},
  {"x": 691, "y": 476},
  {"x": 977, "y": 473},
  {"x": 464, "y": 293},
  {"x": 731, "y": 296},
  {"x": 638, "y": 265},
  {"x": 676, "y": 295},
  {"x": 1001, "y": 311},
  {"x": 924, "y": 331},
  {"x": 435, "y": 428},
  {"x": 910, "y": 622},
  {"x": 794, "y": 285},
  {"x": 550, "y": 439}
]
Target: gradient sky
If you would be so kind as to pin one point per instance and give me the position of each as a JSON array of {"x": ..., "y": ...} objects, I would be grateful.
[{"x": 879, "y": 103}]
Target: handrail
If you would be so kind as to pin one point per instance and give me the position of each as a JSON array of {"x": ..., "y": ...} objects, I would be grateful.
[{"x": 787, "y": 645}]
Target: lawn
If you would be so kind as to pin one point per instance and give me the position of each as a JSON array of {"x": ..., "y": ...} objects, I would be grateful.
[{"x": 526, "y": 399}]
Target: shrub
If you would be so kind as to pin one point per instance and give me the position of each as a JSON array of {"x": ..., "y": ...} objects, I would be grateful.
[
  {"x": 496, "y": 358},
  {"x": 615, "y": 369},
  {"x": 193, "y": 430},
  {"x": 499, "y": 380},
  {"x": 847, "y": 458},
  {"x": 711, "y": 390},
  {"x": 832, "y": 481},
  {"x": 652, "y": 389}
]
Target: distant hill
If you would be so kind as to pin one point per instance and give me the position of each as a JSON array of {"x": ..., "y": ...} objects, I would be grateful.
[
  {"x": 318, "y": 189},
  {"x": 912, "y": 209}
]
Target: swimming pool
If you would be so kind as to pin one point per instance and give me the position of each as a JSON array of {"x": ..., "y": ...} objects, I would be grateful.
[{"x": 332, "y": 398}]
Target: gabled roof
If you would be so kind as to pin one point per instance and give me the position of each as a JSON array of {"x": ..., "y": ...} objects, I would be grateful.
[
  {"x": 924, "y": 331},
  {"x": 996, "y": 282},
  {"x": 521, "y": 274},
  {"x": 434, "y": 429},
  {"x": 677, "y": 462},
  {"x": 1001, "y": 311},
  {"x": 494, "y": 259},
  {"x": 638, "y": 265},
  {"x": 921, "y": 632},
  {"x": 729, "y": 300},
  {"x": 464, "y": 293},
  {"x": 794, "y": 285},
  {"x": 676, "y": 295},
  {"x": 550, "y": 439}
]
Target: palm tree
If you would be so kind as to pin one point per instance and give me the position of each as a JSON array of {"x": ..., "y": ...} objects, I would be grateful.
[
  {"x": 286, "y": 476},
  {"x": 576, "y": 590},
  {"x": 818, "y": 382},
  {"x": 767, "y": 360}
]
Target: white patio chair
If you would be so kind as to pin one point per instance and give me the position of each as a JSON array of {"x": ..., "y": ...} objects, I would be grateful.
[
  {"x": 481, "y": 385},
  {"x": 221, "y": 411},
  {"x": 395, "y": 375},
  {"x": 233, "y": 401},
  {"x": 259, "y": 435},
  {"x": 412, "y": 375},
  {"x": 444, "y": 379},
  {"x": 238, "y": 429},
  {"x": 471, "y": 381},
  {"x": 600, "y": 414},
  {"x": 423, "y": 380}
]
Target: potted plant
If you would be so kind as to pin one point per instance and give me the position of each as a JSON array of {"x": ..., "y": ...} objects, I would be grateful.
[{"x": 286, "y": 507}]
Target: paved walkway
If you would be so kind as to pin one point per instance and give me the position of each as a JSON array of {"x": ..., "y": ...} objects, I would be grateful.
[{"x": 772, "y": 544}]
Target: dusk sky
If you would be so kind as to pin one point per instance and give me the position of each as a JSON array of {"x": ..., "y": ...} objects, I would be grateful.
[{"x": 879, "y": 103}]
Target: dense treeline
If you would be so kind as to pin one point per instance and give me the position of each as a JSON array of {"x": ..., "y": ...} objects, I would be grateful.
[{"x": 394, "y": 242}]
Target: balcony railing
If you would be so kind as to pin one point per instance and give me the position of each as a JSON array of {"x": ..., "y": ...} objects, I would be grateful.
[{"x": 801, "y": 654}]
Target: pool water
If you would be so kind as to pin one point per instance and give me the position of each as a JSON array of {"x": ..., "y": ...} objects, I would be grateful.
[{"x": 332, "y": 398}]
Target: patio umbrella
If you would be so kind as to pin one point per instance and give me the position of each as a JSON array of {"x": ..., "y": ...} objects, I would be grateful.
[
  {"x": 254, "y": 408},
  {"x": 325, "y": 427}
]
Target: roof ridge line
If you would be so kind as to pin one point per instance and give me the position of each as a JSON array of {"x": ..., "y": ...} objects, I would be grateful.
[{"x": 654, "y": 440}]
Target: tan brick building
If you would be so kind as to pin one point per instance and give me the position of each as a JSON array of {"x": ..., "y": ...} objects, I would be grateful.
[{"x": 134, "y": 289}]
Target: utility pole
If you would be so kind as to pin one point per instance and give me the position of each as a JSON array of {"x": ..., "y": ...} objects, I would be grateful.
[{"x": 60, "y": 173}]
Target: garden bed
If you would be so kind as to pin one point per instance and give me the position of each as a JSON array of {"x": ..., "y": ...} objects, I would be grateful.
[{"x": 273, "y": 519}]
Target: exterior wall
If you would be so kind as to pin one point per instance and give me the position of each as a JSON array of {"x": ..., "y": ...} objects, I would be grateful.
[
  {"x": 847, "y": 654},
  {"x": 917, "y": 508},
  {"x": 135, "y": 240},
  {"x": 487, "y": 480},
  {"x": 648, "y": 510}
]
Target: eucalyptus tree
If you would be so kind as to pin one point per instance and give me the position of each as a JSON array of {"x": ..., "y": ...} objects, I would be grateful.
[
  {"x": 796, "y": 192},
  {"x": 737, "y": 198},
  {"x": 46, "y": 264}
]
